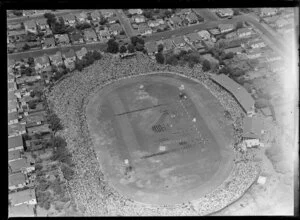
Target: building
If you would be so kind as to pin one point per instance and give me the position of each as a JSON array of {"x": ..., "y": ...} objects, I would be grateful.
[
  {"x": 240, "y": 93},
  {"x": 13, "y": 118},
  {"x": 23, "y": 197},
  {"x": 81, "y": 17},
  {"x": 15, "y": 143},
  {"x": 253, "y": 54},
  {"x": 266, "y": 111},
  {"x": 175, "y": 21},
  {"x": 151, "y": 47},
  {"x": 144, "y": 29},
  {"x": 23, "y": 210},
  {"x": 106, "y": 13},
  {"x": 35, "y": 119},
  {"x": 39, "y": 129},
  {"x": 115, "y": 29},
  {"x": 49, "y": 42},
  {"x": 16, "y": 130},
  {"x": 214, "y": 32},
  {"x": 17, "y": 181},
  {"x": 90, "y": 36},
  {"x": 69, "y": 19},
  {"x": 76, "y": 37},
  {"x": 168, "y": 44},
  {"x": 42, "y": 24},
  {"x": 231, "y": 35},
  {"x": 41, "y": 63},
  {"x": 21, "y": 165},
  {"x": 192, "y": 38},
  {"x": 256, "y": 43},
  {"x": 13, "y": 105},
  {"x": 112, "y": 19},
  {"x": 192, "y": 18},
  {"x": 264, "y": 12},
  {"x": 262, "y": 180},
  {"x": 253, "y": 129},
  {"x": 244, "y": 32},
  {"x": 179, "y": 41},
  {"x": 235, "y": 50},
  {"x": 30, "y": 26},
  {"x": 224, "y": 12},
  {"x": 225, "y": 27},
  {"x": 56, "y": 59},
  {"x": 204, "y": 35},
  {"x": 81, "y": 53},
  {"x": 154, "y": 23},
  {"x": 95, "y": 15},
  {"x": 139, "y": 19},
  {"x": 12, "y": 86},
  {"x": 104, "y": 36},
  {"x": 135, "y": 11},
  {"x": 16, "y": 36},
  {"x": 14, "y": 155},
  {"x": 62, "y": 39},
  {"x": 69, "y": 59}
]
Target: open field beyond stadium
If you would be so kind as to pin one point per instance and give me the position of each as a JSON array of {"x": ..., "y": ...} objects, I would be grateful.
[{"x": 157, "y": 143}]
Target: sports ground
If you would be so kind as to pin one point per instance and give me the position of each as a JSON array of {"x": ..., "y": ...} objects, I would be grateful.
[{"x": 160, "y": 138}]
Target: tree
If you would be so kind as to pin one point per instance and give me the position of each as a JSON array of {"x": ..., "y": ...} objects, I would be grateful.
[
  {"x": 160, "y": 48},
  {"x": 139, "y": 47},
  {"x": 55, "y": 123},
  {"x": 103, "y": 20},
  {"x": 160, "y": 58},
  {"x": 26, "y": 47},
  {"x": 261, "y": 103},
  {"x": 83, "y": 26},
  {"x": 172, "y": 60},
  {"x": 112, "y": 46},
  {"x": 59, "y": 142},
  {"x": 134, "y": 40},
  {"x": 229, "y": 55},
  {"x": 30, "y": 61},
  {"x": 206, "y": 65},
  {"x": 32, "y": 104},
  {"x": 97, "y": 55},
  {"x": 235, "y": 11},
  {"x": 67, "y": 172},
  {"x": 123, "y": 49},
  {"x": 17, "y": 12},
  {"x": 130, "y": 48}
]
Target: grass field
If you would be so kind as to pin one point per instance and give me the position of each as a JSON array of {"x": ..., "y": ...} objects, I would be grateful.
[{"x": 156, "y": 146}]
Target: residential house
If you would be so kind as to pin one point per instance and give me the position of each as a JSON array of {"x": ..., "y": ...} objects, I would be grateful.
[
  {"x": 115, "y": 29},
  {"x": 204, "y": 35},
  {"x": 76, "y": 37},
  {"x": 264, "y": 12},
  {"x": 56, "y": 59},
  {"x": 256, "y": 43},
  {"x": 49, "y": 42},
  {"x": 244, "y": 32},
  {"x": 41, "y": 63},
  {"x": 112, "y": 19},
  {"x": 62, "y": 39},
  {"x": 151, "y": 48},
  {"x": 253, "y": 54},
  {"x": 199, "y": 45},
  {"x": 154, "y": 23},
  {"x": 273, "y": 57},
  {"x": 231, "y": 35},
  {"x": 139, "y": 19},
  {"x": 281, "y": 22},
  {"x": 23, "y": 197},
  {"x": 69, "y": 19},
  {"x": 135, "y": 11},
  {"x": 225, "y": 27},
  {"x": 81, "y": 17},
  {"x": 95, "y": 15},
  {"x": 214, "y": 32},
  {"x": 224, "y": 12},
  {"x": 21, "y": 165},
  {"x": 240, "y": 93},
  {"x": 28, "y": 13},
  {"x": 23, "y": 210},
  {"x": 104, "y": 36},
  {"x": 144, "y": 29},
  {"x": 192, "y": 38},
  {"x": 42, "y": 24},
  {"x": 253, "y": 128},
  {"x": 13, "y": 118},
  {"x": 179, "y": 41},
  {"x": 90, "y": 36},
  {"x": 16, "y": 36},
  {"x": 192, "y": 18},
  {"x": 175, "y": 21},
  {"x": 17, "y": 181},
  {"x": 16, "y": 130},
  {"x": 81, "y": 53},
  {"x": 25, "y": 80},
  {"x": 15, "y": 143},
  {"x": 106, "y": 13},
  {"x": 235, "y": 50},
  {"x": 271, "y": 20},
  {"x": 160, "y": 21},
  {"x": 34, "y": 45},
  {"x": 15, "y": 26},
  {"x": 39, "y": 129},
  {"x": 69, "y": 59},
  {"x": 30, "y": 26},
  {"x": 14, "y": 155},
  {"x": 13, "y": 105},
  {"x": 168, "y": 44},
  {"x": 35, "y": 119},
  {"x": 12, "y": 86}
]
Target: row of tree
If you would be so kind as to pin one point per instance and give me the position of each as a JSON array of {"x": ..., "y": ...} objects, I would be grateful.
[
  {"x": 137, "y": 44},
  {"x": 87, "y": 60}
]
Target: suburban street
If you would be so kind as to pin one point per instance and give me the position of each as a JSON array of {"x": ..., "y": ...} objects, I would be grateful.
[{"x": 125, "y": 23}]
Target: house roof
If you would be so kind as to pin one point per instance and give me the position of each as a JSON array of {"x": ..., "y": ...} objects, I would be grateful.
[
  {"x": 168, "y": 44},
  {"x": 90, "y": 33},
  {"x": 192, "y": 16},
  {"x": 42, "y": 60},
  {"x": 15, "y": 128},
  {"x": 68, "y": 17},
  {"x": 151, "y": 46},
  {"x": 42, "y": 21},
  {"x": 239, "y": 92},
  {"x": 31, "y": 118},
  {"x": 13, "y": 155},
  {"x": 253, "y": 125},
  {"x": 179, "y": 40},
  {"x": 268, "y": 10},
  {"x": 56, "y": 58},
  {"x": 23, "y": 210},
  {"x": 12, "y": 104},
  {"x": 13, "y": 116},
  {"x": 81, "y": 15},
  {"x": 225, "y": 11},
  {"x": 17, "y": 178},
  {"x": 75, "y": 36},
  {"x": 62, "y": 38},
  {"x": 225, "y": 26},
  {"x": 11, "y": 95},
  {"x": 115, "y": 27},
  {"x": 231, "y": 34},
  {"x": 176, "y": 19},
  {"x": 104, "y": 33},
  {"x": 17, "y": 165},
  {"x": 135, "y": 11},
  {"x": 193, "y": 37},
  {"x": 49, "y": 41},
  {"x": 204, "y": 34},
  {"x": 106, "y": 12},
  {"x": 81, "y": 52},
  {"x": 16, "y": 33},
  {"x": 30, "y": 24},
  {"x": 214, "y": 31},
  {"x": 15, "y": 141},
  {"x": 243, "y": 31},
  {"x": 41, "y": 128},
  {"x": 70, "y": 53},
  {"x": 95, "y": 14},
  {"x": 21, "y": 196}
]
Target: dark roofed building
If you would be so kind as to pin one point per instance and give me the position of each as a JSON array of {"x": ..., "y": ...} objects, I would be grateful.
[{"x": 239, "y": 92}]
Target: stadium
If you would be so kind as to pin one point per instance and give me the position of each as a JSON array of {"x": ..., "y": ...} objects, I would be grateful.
[{"x": 149, "y": 139}]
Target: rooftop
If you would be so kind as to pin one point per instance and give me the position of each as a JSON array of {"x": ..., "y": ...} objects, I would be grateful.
[
  {"x": 253, "y": 125},
  {"x": 15, "y": 141},
  {"x": 17, "y": 178},
  {"x": 22, "y": 196},
  {"x": 70, "y": 53},
  {"x": 17, "y": 165}
]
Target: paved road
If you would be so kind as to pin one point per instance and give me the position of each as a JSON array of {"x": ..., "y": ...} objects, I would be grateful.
[
  {"x": 206, "y": 14},
  {"x": 37, "y": 53},
  {"x": 22, "y": 19},
  {"x": 125, "y": 23}
]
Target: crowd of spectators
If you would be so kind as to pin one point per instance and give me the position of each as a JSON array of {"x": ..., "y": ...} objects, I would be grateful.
[{"x": 91, "y": 192}]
